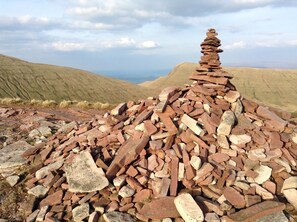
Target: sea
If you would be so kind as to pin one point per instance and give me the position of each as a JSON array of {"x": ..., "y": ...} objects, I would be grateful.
[{"x": 134, "y": 76}]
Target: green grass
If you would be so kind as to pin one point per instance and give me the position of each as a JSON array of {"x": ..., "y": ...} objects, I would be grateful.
[
  {"x": 274, "y": 87},
  {"x": 27, "y": 81}
]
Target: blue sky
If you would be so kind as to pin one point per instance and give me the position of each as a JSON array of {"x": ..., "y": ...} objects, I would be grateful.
[{"x": 148, "y": 34}]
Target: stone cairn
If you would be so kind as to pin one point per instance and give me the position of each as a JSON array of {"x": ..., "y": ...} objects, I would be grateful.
[{"x": 198, "y": 153}]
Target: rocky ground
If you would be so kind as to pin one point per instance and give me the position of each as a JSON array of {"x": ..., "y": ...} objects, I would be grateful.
[{"x": 27, "y": 126}]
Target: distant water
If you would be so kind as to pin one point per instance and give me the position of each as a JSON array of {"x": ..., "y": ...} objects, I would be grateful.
[{"x": 138, "y": 76}]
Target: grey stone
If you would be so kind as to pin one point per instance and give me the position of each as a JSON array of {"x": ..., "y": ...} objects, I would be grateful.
[
  {"x": 81, "y": 212},
  {"x": 11, "y": 156},
  {"x": 41, "y": 131},
  {"x": 47, "y": 169},
  {"x": 115, "y": 216},
  {"x": 126, "y": 191},
  {"x": 237, "y": 108},
  {"x": 12, "y": 180},
  {"x": 83, "y": 175},
  {"x": 39, "y": 191},
  {"x": 227, "y": 122},
  {"x": 276, "y": 217},
  {"x": 67, "y": 127},
  {"x": 41, "y": 214},
  {"x": 32, "y": 216}
]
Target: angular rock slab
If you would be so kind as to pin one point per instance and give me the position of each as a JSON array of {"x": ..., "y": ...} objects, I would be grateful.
[
  {"x": 227, "y": 122},
  {"x": 127, "y": 153},
  {"x": 115, "y": 216},
  {"x": 11, "y": 156},
  {"x": 83, "y": 175},
  {"x": 160, "y": 208},
  {"x": 188, "y": 208},
  {"x": 256, "y": 211}
]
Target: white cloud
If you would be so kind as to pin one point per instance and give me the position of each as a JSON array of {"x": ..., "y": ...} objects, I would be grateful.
[
  {"x": 148, "y": 44},
  {"x": 27, "y": 22},
  {"x": 68, "y": 46},
  {"x": 292, "y": 42},
  {"x": 236, "y": 45},
  {"x": 123, "y": 42},
  {"x": 269, "y": 43}
]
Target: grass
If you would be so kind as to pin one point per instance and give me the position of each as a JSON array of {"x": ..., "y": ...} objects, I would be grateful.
[
  {"x": 274, "y": 87},
  {"x": 27, "y": 81},
  {"x": 53, "y": 104}
]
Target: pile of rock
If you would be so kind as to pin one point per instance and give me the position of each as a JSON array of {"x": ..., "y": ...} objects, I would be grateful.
[
  {"x": 199, "y": 153},
  {"x": 210, "y": 49}
]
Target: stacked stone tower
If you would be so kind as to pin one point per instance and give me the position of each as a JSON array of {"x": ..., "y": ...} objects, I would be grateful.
[{"x": 210, "y": 71}]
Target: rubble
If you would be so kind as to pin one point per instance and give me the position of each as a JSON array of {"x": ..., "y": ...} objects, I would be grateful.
[{"x": 204, "y": 145}]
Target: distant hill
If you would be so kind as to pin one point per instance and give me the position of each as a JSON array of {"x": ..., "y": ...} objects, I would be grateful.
[
  {"x": 28, "y": 81},
  {"x": 274, "y": 87}
]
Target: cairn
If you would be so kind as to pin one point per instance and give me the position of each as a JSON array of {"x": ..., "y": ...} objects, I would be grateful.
[{"x": 201, "y": 153}]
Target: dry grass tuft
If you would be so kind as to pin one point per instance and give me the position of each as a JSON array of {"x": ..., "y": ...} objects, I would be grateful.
[
  {"x": 83, "y": 104},
  {"x": 49, "y": 103}
]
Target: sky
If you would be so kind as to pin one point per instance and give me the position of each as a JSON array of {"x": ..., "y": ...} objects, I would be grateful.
[{"x": 137, "y": 35}]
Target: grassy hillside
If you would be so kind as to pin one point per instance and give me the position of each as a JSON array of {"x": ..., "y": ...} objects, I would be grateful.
[
  {"x": 274, "y": 87},
  {"x": 28, "y": 81}
]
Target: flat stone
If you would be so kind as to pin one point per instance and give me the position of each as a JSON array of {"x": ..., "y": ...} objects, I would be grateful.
[
  {"x": 212, "y": 217},
  {"x": 160, "y": 208},
  {"x": 191, "y": 124},
  {"x": 127, "y": 153},
  {"x": 195, "y": 162},
  {"x": 240, "y": 139},
  {"x": 143, "y": 195},
  {"x": 291, "y": 196},
  {"x": 67, "y": 127},
  {"x": 41, "y": 131},
  {"x": 11, "y": 156},
  {"x": 204, "y": 170},
  {"x": 237, "y": 108},
  {"x": 276, "y": 217},
  {"x": 265, "y": 194},
  {"x": 119, "y": 181},
  {"x": 167, "y": 93},
  {"x": 41, "y": 214},
  {"x": 38, "y": 191},
  {"x": 126, "y": 191},
  {"x": 227, "y": 122},
  {"x": 83, "y": 175},
  {"x": 232, "y": 96},
  {"x": 188, "y": 208},
  {"x": 47, "y": 169},
  {"x": 81, "y": 212},
  {"x": 234, "y": 197},
  {"x": 119, "y": 109},
  {"x": 223, "y": 141},
  {"x": 32, "y": 216},
  {"x": 274, "y": 121},
  {"x": 12, "y": 180},
  {"x": 256, "y": 211},
  {"x": 290, "y": 183},
  {"x": 52, "y": 199},
  {"x": 264, "y": 173},
  {"x": 115, "y": 216}
]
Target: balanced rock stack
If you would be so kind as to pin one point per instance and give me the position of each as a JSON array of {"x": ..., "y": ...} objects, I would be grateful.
[{"x": 198, "y": 153}]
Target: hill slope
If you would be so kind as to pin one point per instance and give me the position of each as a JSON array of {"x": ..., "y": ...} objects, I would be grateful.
[
  {"x": 28, "y": 81},
  {"x": 274, "y": 87}
]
